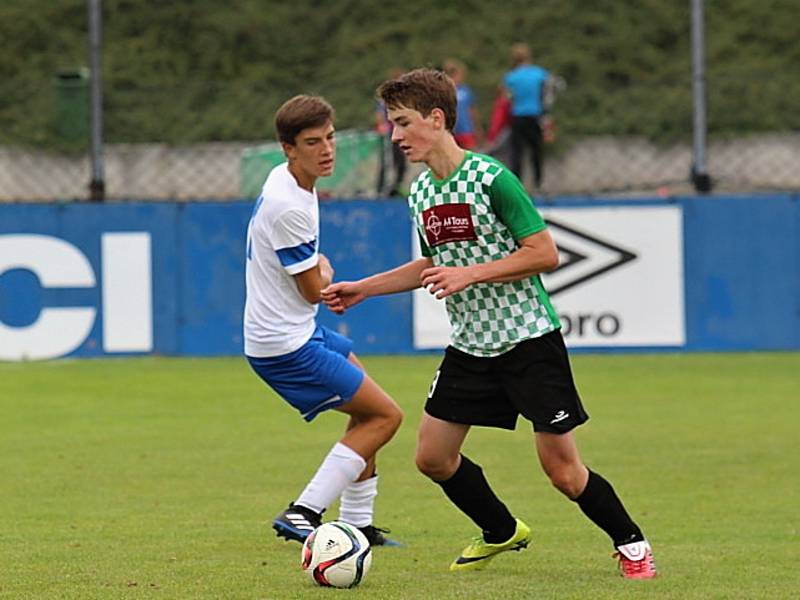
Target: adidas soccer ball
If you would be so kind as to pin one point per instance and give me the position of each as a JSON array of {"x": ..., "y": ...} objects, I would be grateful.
[{"x": 336, "y": 554}]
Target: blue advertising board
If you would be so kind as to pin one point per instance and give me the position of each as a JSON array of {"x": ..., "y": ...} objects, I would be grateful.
[{"x": 168, "y": 278}]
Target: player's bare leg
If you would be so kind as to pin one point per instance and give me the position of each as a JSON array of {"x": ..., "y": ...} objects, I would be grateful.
[
  {"x": 561, "y": 461},
  {"x": 357, "y": 499},
  {"x": 439, "y": 447},
  {"x": 374, "y": 416},
  {"x": 369, "y": 470}
]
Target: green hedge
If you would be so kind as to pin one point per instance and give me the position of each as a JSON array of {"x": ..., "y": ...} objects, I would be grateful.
[{"x": 206, "y": 70}]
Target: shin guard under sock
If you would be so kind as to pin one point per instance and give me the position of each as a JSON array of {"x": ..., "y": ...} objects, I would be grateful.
[
  {"x": 471, "y": 493},
  {"x": 600, "y": 503}
]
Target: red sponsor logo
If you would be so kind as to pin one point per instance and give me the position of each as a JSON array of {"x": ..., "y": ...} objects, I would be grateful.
[{"x": 448, "y": 223}]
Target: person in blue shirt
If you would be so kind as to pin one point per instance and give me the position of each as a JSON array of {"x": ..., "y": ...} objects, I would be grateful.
[
  {"x": 468, "y": 131},
  {"x": 525, "y": 85}
]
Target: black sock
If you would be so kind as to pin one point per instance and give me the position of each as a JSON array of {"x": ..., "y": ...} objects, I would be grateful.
[
  {"x": 600, "y": 503},
  {"x": 470, "y": 492}
]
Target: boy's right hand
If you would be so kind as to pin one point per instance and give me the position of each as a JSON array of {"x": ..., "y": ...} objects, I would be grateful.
[{"x": 340, "y": 296}]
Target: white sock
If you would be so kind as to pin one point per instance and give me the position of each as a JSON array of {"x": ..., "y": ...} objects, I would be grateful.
[
  {"x": 358, "y": 501},
  {"x": 341, "y": 467}
]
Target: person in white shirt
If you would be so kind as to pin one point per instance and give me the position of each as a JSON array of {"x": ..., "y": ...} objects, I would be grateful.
[{"x": 309, "y": 366}]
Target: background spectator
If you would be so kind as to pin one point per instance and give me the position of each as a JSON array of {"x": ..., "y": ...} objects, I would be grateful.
[
  {"x": 391, "y": 157},
  {"x": 468, "y": 131},
  {"x": 497, "y": 136},
  {"x": 525, "y": 84}
]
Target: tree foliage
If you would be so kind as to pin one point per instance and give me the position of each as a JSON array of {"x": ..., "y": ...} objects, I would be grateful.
[{"x": 201, "y": 70}]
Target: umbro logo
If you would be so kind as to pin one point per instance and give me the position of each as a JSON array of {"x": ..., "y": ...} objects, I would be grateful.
[
  {"x": 560, "y": 416},
  {"x": 582, "y": 257}
]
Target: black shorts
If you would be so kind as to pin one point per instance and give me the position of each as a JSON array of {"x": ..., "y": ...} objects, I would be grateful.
[{"x": 533, "y": 380}]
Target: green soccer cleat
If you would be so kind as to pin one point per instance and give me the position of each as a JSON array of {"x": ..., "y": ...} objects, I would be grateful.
[{"x": 478, "y": 554}]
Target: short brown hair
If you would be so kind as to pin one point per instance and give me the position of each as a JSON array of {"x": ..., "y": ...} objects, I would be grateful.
[
  {"x": 421, "y": 90},
  {"x": 453, "y": 66},
  {"x": 520, "y": 53},
  {"x": 301, "y": 112}
]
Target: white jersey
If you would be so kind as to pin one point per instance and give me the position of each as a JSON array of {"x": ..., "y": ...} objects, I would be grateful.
[{"x": 282, "y": 240}]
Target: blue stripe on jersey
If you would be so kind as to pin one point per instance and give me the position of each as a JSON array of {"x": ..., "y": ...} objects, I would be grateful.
[
  {"x": 252, "y": 216},
  {"x": 257, "y": 205},
  {"x": 291, "y": 256}
]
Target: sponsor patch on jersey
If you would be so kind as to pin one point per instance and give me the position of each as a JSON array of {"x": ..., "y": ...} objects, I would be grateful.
[{"x": 448, "y": 223}]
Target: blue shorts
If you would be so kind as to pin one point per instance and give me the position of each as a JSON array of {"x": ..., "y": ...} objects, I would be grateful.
[{"x": 315, "y": 377}]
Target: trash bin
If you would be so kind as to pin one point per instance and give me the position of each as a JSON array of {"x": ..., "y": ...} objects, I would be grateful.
[{"x": 72, "y": 104}]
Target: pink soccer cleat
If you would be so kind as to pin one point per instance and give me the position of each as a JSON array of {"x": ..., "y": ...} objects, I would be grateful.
[{"x": 636, "y": 561}]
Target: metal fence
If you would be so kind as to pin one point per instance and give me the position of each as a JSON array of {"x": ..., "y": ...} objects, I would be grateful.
[{"x": 160, "y": 145}]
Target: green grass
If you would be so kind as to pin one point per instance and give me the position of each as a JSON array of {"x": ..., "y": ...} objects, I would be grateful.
[{"x": 157, "y": 478}]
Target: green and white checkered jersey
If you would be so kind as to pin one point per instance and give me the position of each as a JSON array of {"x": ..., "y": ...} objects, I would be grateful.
[{"x": 475, "y": 216}]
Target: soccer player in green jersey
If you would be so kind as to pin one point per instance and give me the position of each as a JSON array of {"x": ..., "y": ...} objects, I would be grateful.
[{"x": 484, "y": 246}]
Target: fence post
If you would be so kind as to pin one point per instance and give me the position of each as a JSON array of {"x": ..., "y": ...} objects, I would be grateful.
[
  {"x": 699, "y": 175},
  {"x": 97, "y": 185}
]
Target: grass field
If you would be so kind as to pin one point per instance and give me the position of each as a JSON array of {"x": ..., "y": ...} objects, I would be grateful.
[{"x": 157, "y": 478}]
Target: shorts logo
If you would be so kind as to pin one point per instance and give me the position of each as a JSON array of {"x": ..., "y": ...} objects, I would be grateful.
[
  {"x": 448, "y": 223},
  {"x": 560, "y": 416}
]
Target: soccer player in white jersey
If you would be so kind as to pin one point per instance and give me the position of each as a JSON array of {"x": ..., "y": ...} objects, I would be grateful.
[
  {"x": 484, "y": 245},
  {"x": 310, "y": 366}
]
